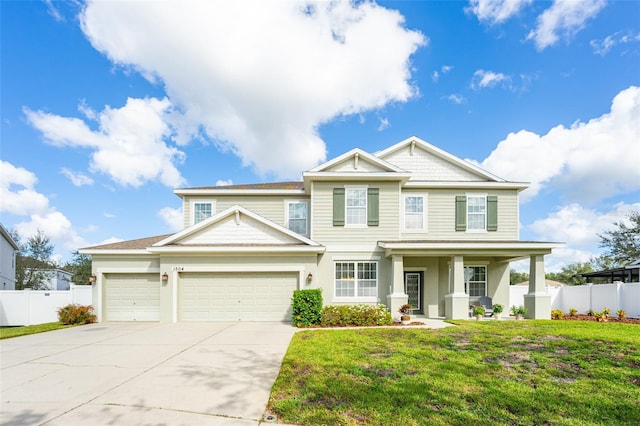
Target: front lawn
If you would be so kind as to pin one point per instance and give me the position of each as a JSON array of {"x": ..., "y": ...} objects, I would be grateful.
[
  {"x": 487, "y": 372},
  {"x": 7, "y": 332}
]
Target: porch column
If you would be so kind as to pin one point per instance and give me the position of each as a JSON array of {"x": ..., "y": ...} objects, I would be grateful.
[
  {"x": 537, "y": 301},
  {"x": 397, "y": 296},
  {"x": 456, "y": 303}
]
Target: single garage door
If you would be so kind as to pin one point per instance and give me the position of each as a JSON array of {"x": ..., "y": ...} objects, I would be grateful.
[
  {"x": 132, "y": 297},
  {"x": 260, "y": 296}
]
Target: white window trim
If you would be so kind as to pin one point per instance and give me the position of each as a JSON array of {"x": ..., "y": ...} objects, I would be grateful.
[
  {"x": 425, "y": 199},
  {"x": 194, "y": 201},
  {"x": 477, "y": 195},
  {"x": 366, "y": 209},
  {"x": 356, "y": 299},
  {"x": 286, "y": 214},
  {"x": 486, "y": 278}
]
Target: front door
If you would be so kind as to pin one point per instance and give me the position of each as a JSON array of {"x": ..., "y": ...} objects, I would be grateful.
[{"x": 414, "y": 288}]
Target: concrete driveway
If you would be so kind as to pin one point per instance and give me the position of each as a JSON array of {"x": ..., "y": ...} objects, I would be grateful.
[{"x": 142, "y": 374}]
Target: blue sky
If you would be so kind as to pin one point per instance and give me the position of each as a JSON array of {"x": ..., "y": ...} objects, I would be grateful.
[{"x": 106, "y": 107}]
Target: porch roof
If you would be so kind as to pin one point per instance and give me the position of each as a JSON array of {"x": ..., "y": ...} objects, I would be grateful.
[{"x": 512, "y": 250}]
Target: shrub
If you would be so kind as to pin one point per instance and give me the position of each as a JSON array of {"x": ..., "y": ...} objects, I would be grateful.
[
  {"x": 405, "y": 309},
  {"x": 518, "y": 310},
  {"x": 76, "y": 314},
  {"x": 591, "y": 312},
  {"x": 498, "y": 308},
  {"x": 605, "y": 312},
  {"x": 355, "y": 315},
  {"x": 557, "y": 314},
  {"x": 621, "y": 313},
  {"x": 478, "y": 310},
  {"x": 573, "y": 312},
  {"x": 307, "y": 307}
]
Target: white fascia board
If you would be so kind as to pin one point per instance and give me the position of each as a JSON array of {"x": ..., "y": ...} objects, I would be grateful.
[
  {"x": 440, "y": 153},
  {"x": 237, "y": 249},
  {"x": 464, "y": 184},
  {"x": 365, "y": 155},
  {"x": 362, "y": 176},
  {"x": 472, "y": 245},
  {"x": 228, "y": 212},
  {"x": 214, "y": 191},
  {"x": 114, "y": 251}
]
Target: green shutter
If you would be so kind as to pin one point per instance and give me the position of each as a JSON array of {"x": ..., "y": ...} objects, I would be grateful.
[
  {"x": 461, "y": 213},
  {"x": 373, "y": 206},
  {"x": 492, "y": 213},
  {"x": 338, "y": 206}
]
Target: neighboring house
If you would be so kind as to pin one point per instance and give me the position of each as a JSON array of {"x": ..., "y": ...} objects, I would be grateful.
[
  {"x": 411, "y": 223},
  {"x": 54, "y": 279},
  {"x": 624, "y": 274},
  {"x": 8, "y": 253}
]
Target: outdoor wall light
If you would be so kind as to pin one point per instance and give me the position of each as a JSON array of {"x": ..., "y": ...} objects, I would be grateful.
[
  {"x": 165, "y": 277},
  {"x": 92, "y": 278},
  {"x": 309, "y": 277}
]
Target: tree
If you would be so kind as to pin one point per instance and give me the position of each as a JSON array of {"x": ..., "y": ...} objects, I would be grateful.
[
  {"x": 568, "y": 273},
  {"x": 33, "y": 262},
  {"x": 622, "y": 244},
  {"x": 517, "y": 277},
  {"x": 80, "y": 267}
]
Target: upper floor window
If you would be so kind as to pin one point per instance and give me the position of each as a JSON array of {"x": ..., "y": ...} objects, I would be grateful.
[
  {"x": 356, "y": 203},
  {"x": 414, "y": 212},
  {"x": 201, "y": 210},
  {"x": 476, "y": 213},
  {"x": 356, "y": 279},
  {"x": 355, "y": 206},
  {"x": 297, "y": 217}
]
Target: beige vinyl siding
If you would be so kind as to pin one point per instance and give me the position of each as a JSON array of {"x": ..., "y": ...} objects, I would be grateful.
[
  {"x": 323, "y": 231},
  {"x": 271, "y": 207},
  {"x": 441, "y": 216}
]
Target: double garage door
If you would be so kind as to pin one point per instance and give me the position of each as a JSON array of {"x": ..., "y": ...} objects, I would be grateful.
[
  {"x": 259, "y": 296},
  {"x": 132, "y": 297}
]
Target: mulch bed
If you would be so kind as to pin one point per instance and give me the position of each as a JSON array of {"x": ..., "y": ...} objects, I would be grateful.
[{"x": 610, "y": 319}]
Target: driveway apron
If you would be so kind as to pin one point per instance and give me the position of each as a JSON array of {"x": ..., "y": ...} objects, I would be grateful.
[{"x": 142, "y": 373}]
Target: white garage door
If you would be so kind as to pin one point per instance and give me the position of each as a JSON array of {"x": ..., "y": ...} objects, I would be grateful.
[
  {"x": 132, "y": 297},
  {"x": 260, "y": 296}
]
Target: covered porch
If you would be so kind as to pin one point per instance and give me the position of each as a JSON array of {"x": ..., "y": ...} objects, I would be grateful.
[{"x": 443, "y": 278}]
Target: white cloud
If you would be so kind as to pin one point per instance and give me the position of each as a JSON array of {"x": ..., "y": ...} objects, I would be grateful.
[
  {"x": 579, "y": 228},
  {"x": 602, "y": 47},
  {"x": 495, "y": 11},
  {"x": 258, "y": 77},
  {"x": 172, "y": 217},
  {"x": 482, "y": 79},
  {"x": 109, "y": 215},
  {"x": 588, "y": 161},
  {"x": 435, "y": 76},
  {"x": 456, "y": 98},
  {"x": 564, "y": 19},
  {"x": 384, "y": 124},
  {"x": 18, "y": 196},
  {"x": 129, "y": 144},
  {"x": 446, "y": 68},
  {"x": 221, "y": 182},
  {"x": 17, "y": 193},
  {"x": 77, "y": 178}
]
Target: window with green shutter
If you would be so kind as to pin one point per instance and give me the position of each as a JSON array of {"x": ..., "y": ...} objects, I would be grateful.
[
  {"x": 461, "y": 213},
  {"x": 373, "y": 209},
  {"x": 338, "y": 206}
]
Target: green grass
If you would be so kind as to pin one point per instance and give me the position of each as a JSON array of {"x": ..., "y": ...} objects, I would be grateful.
[
  {"x": 488, "y": 372},
  {"x": 8, "y": 332}
]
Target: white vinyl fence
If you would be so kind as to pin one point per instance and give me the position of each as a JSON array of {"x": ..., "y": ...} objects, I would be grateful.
[
  {"x": 30, "y": 307},
  {"x": 591, "y": 296}
]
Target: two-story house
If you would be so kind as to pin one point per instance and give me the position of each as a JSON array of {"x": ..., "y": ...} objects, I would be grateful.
[{"x": 411, "y": 223}]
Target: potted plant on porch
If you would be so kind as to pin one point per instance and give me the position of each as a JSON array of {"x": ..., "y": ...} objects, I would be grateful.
[
  {"x": 497, "y": 311},
  {"x": 519, "y": 311},
  {"x": 478, "y": 312},
  {"x": 405, "y": 313}
]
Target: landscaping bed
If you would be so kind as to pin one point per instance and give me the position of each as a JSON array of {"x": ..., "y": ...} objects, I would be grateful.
[{"x": 594, "y": 318}]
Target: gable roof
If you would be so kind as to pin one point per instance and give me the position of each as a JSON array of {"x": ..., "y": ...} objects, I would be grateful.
[
  {"x": 285, "y": 188},
  {"x": 236, "y": 229},
  {"x": 7, "y": 236},
  {"x": 415, "y": 142}
]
